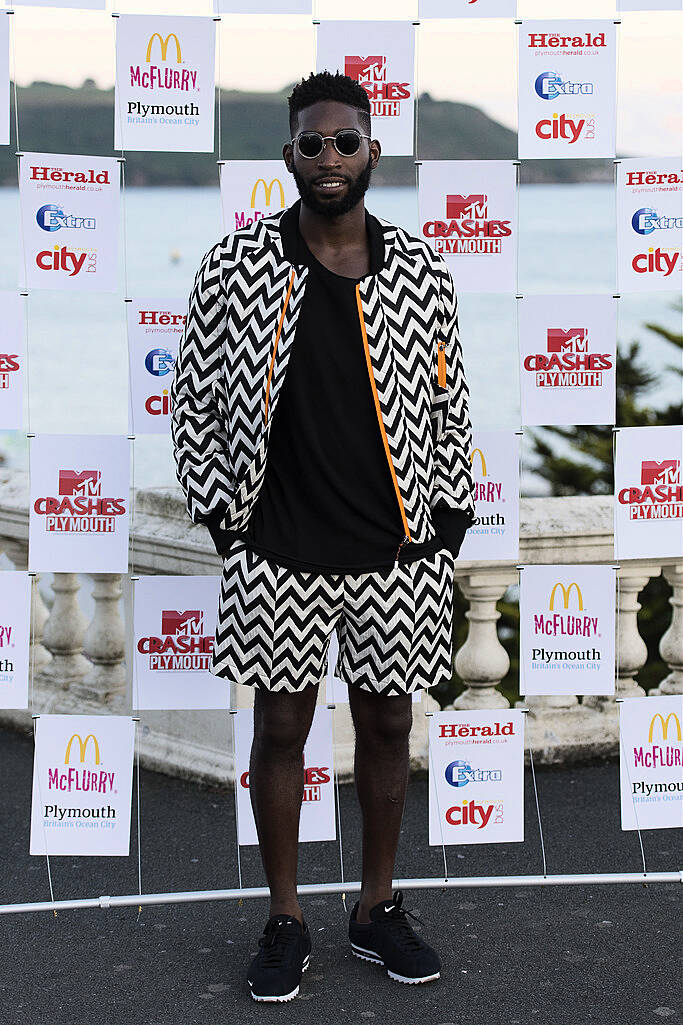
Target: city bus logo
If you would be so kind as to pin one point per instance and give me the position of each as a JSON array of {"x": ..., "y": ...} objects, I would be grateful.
[
  {"x": 164, "y": 46},
  {"x": 83, "y": 744},
  {"x": 566, "y": 591}
]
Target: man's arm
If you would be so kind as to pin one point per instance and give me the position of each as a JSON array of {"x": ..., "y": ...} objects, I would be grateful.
[
  {"x": 452, "y": 499},
  {"x": 197, "y": 424}
]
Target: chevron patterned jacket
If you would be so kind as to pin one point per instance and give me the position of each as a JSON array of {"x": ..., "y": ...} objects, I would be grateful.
[{"x": 232, "y": 361}]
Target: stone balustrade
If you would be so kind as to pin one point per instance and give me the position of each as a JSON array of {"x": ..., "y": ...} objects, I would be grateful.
[{"x": 81, "y": 658}]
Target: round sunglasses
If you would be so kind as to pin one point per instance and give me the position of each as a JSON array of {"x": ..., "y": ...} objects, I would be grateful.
[{"x": 346, "y": 142}]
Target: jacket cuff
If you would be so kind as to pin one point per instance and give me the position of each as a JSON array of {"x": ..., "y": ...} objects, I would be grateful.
[
  {"x": 451, "y": 525},
  {"x": 213, "y": 525}
]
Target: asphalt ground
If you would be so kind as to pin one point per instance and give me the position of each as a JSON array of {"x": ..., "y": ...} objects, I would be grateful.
[{"x": 554, "y": 955}]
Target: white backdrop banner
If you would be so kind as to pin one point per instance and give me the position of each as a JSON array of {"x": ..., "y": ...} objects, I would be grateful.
[
  {"x": 155, "y": 326},
  {"x": 494, "y": 535},
  {"x": 263, "y": 7},
  {"x": 173, "y": 645},
  {"x": 12, "y": 361},
  {"x": 650, "y": 224},
  {"x": 164, "y": 94},
  {"x": 317, "y": 821},
  {"x": 651, "y": 762},
  {"x": 476, "y": 776},
  {"x": 567, "y": 627},
  {"x": 567, "y": 88},
  {"x": 467, "y": 214},
  {"x": 381, "y": 56},
  {"x": 85, "y": 5},
  {"x": 82, "y": 785},
  {"x": 79, "y": 512},
  {"x": 252, "y": 189},
  {"x": 648, "y": 492},
  {"x": 650, "y": 5},
  {"x": 4, "y": 80},
  {"x": 567, "y": 352},
  {"x": 468, "y": 8},
  {"x": 70, "y": 222},
  {"x": 15, "y": 619}
]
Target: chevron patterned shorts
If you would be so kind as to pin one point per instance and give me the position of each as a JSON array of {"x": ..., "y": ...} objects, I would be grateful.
[{"x": 394, "y": 626}]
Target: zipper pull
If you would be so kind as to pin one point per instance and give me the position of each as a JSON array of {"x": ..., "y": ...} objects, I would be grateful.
[
  {"x": 442, "y": 364},
  {"x": 406, "y": 538}
]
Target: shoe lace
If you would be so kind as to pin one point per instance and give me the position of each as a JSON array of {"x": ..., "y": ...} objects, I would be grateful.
[
  {"x": 273, "y": 944},
  {"x": 396, "y": 918}
]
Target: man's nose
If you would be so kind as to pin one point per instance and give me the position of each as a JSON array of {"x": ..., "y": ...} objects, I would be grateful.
[{"x": 328, "y": 154}]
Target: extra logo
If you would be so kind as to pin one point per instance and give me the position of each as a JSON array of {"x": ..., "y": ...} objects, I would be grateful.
[
  {"x": 646, "y": 220},
  {"x": 459, "y": 773},
  {"x": 243, "y": 218},
  {"x": 79, "y": 506},
  {"x": 658, "y": 495},
  {"x": 385, "y": 95},
  {"x": 94, "y": 780},
  {"x": 656, "y": 755},
  {"x": 468, "y": 229},
  {"x": 174, "y": 75},
  {"x": 567, "y": 362},
  {"x": 549, "y": 86},
  {"x": 51, "y": 217},
  {"x": 181, "y": 644}
]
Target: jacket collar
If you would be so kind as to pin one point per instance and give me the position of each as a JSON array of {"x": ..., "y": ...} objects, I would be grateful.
[{"x": 280, "y": 231}]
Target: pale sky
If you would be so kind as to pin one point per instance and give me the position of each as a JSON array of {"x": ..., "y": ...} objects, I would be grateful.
[{"x": 468, "y": 60}]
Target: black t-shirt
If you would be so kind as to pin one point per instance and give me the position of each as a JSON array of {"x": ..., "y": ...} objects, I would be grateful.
[{"x": 327, "y": 502}]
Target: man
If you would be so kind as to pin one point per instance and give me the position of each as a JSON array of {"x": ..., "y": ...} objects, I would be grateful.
[{"x": 341, "y": 330}]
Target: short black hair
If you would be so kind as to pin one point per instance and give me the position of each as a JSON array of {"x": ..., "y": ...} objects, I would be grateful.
[{"x": 326, "y": 86}]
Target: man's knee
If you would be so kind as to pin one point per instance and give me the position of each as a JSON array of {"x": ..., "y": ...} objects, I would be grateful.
[
  {"x": 281, "y": 724},
  {"x": 387, "y": 720}
]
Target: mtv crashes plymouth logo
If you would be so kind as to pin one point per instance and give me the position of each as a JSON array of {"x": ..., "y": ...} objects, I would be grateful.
[
  {"x": 659, "y": 494},
  {"x": 567, "y": 362},
  {"x": 79, "y": 506},
  {"x": 181, "y": 644},
  {"x": 468, "y": 228},
  {"x": 385, "y": 95}
]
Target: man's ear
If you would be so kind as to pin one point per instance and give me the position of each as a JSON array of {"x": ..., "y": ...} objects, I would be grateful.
[
  {"x": 288, "y": 156},
  {"x": 375, "y": 152}
]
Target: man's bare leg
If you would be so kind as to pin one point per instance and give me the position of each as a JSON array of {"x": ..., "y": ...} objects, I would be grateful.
[
  {"x": 382, "y": 726},
  {"x": 282, "y": 721}
]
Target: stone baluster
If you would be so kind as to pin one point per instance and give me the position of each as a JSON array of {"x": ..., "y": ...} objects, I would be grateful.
[
  {"x": 482, "y": 661},
  {"x": 38, "y": 656},
  {"x": 671, "y": 644},
  {"x": 63, "y": 636},
  {"x": 104, "y": 645}
]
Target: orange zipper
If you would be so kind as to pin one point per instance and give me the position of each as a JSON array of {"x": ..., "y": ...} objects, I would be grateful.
[
  {"x": 442, "y": 365},
  {"x": 277, "y": 339},
  {"x": 379, "y": 418}
]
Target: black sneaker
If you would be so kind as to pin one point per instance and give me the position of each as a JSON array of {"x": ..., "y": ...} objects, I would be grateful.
[
  {"x": 285, "y": 948},
  {"x": 389, "y": 939}
]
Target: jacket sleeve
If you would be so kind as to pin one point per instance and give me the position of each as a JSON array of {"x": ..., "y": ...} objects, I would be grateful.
[
  {"x": 452, "y": 499},
  {"x": 198, "y": 429}
]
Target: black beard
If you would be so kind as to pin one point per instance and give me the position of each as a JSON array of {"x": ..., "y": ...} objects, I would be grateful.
[{"x": 335, "y": 207}]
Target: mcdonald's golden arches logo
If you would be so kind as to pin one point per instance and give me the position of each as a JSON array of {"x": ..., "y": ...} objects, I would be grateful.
[
  {"x": 566, "y": 591},
  {"x": 267, "y": 191},
  {"x": 482, "y": 460},
  {"x": 665, "y": 725},
  {"x": 83, "y": 744},
  {"x": 163, "y": 43}
]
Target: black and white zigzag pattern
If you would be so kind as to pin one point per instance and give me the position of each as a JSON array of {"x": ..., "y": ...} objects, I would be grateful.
[
  {"x": 218, "y": 394},
  {"x": 274, "y": 624}
]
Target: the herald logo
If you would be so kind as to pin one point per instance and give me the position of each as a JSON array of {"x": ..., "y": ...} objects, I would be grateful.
[
  {"x": 83, "y": 482},
  {"x": 366, "y": 69},
  {"x": 473, "y": 207},
  {"x": 187, "y": 623},
  {"x": 666, "y": 472},
  {"x": 575, "y": 339}
]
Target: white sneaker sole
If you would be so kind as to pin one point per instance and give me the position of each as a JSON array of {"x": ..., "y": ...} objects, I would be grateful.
[
  {"x": 372, "y": 956},
  {"x": 283, "y": 997}
]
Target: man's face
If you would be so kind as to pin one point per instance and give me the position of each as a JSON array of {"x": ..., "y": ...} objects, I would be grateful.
[{"x": 331, "y": 184}]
